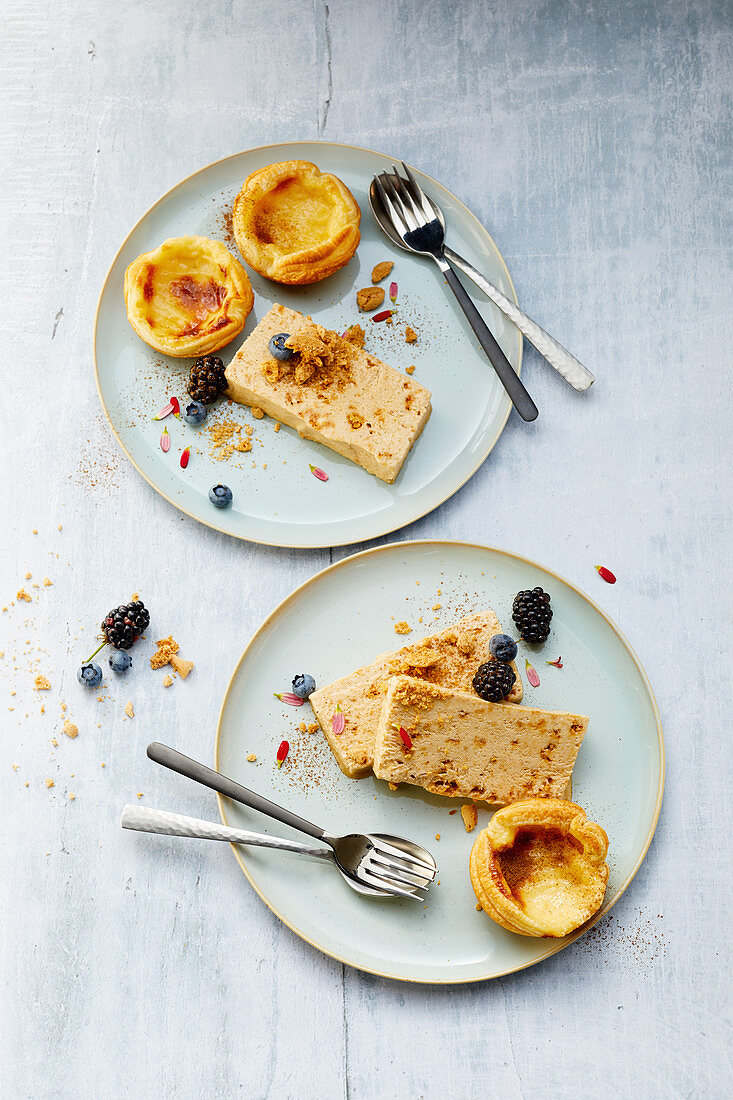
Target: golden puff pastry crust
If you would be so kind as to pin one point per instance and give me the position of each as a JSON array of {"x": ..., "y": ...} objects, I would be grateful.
[
  {"x": 188, "y": 297},
  {"x": 539, "y": 868},
  {"x": 295, "y": 224}
]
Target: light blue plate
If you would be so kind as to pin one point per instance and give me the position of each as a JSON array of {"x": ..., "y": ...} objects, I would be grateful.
[
  {"x": 283, "y": 504},
  {"x": 342, "y": 618}
]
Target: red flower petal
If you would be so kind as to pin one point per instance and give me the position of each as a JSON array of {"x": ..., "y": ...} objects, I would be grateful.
[
  {"x": 317, "y": 472},
  {"x": 606, "y": 574},
  {"x": 556, "y": 664},
  {"x": 171, "y": 407},
  {"x": 383, "y": 315},
  {"x": 338, "y": 721},
  {"x": 406, "y": 739},
  {"x": 282, "y": 752},
  {"x": 165, "y": 441},
  {"x": 176, "y": 407},
  {"x": 185, "y": 457},
  {"x": 289, "y": 698},
  {"x": 532, "y": 675}
]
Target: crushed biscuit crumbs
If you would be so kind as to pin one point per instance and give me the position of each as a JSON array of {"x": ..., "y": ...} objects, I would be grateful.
[
  {"x": 167, "y": 681},
  {"x": 47, "y": 583},
  {"x": 167, "y": 647},
  {"x": 410, "y": 370},
  {"x": 393, "y": 786},
  {"x": 139, "y": 794},
  {"x": 72, "y": 797},
  {"x": 42, "y": 683},
  {"x": 251, "y": 757},
  {"x": 277, "y": 426},
  {"x": 470, "y": 817},
  {"x": 355, "y": 335},
  {"x": 402, "y": 628},
  {"x": 381, "y": 271},
  {"x": 70, "y": 729},
  {"x": 28, "y": 576},
  {"x": 437, "y": 836},
  {"x": 301, "y": 727},
  {"x": 182, "y": 667},
  {"x": 312, "y": 727},
  {"x": 258, "y": 414},
  {"x": 50, "y": 783},
  {"x": 410, "y": 335},
  {"x": 437, "y": 606},
  {"x": 226, "y": 438},
  {"x": 369, "y": 298},
  {"x": 129, "y": 710},
  {"x": 21, "y": 594},
  {"x": 478, "y": 907},
  {"x": 54, "y": 742}
]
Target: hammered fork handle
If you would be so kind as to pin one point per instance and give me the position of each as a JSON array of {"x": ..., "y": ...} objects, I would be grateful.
[
  {"x": 145, "y": 820},
  {"x": 566, "y": 365}
]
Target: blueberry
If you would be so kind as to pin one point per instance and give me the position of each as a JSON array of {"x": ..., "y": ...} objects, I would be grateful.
[
  {"x": 277, "y": 347},
  {"x": 303, "y": 685},
  {"x": 503, "y": 648},
  {"x": 119, "y": 660},
  {"x": 195, "y": 413},
  {"x": 220, "y": 496},
  {"x": 89, "y": 675}
]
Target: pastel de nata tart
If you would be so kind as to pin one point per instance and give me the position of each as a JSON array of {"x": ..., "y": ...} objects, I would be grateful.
[
  {"x": 188, "y": 297},
  {"x": 447, "y": 659},
  {"x": 539, "y": 868},
  {"x": 453, "y": 743},
  {"x": 294, "y": 223}
]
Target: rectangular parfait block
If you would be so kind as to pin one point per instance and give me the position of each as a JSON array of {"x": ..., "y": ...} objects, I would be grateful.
[
  {"x": 457, "y": 744},
  {"x": 332, "y": 392},
  {"x": 449, "y": 658}
]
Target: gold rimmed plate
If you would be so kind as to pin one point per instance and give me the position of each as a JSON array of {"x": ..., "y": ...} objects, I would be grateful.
[
  {"x": 342, "y": 618},
  {"x": 277, "y": 500}
]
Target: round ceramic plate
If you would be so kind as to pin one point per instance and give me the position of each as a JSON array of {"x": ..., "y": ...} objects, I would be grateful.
[
  {"x": 343, "y": 618},
  {"x": 276, "y": 498}
]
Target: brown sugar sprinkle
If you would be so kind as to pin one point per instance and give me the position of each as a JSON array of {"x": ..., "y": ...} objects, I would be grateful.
[
  {"x": 42, "y": 683},
  {"x": 381, "y": 271},
  {"x": 369, "y": 298},
  {"x": 21, "y": 594},
  {"x": 402, "y": 628},
  {"x": 410, "y": 335}
]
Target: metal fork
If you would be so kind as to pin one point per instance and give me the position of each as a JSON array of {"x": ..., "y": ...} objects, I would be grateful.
[
  {"x": 388, "y": 865},
  {"x": 422, "y": 232},
  {"x": 566, "y": 365}
]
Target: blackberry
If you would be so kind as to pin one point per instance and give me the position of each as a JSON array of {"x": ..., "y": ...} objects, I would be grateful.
[
  {"x": 207, "y": 380},
  {"x": 124, "y": 624},
  {"x": 532, "y": 613},
  {"x": 493, "y": 681}
]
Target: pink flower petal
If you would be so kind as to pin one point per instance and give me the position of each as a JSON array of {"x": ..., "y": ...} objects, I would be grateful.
[
  {"x": 393, "y": 292},
  {"x": 555, "y": 664},
  {"x": 532, "y": 675},
  {"x": 171, "y": 407},
  {"x": 338, "y": 721},
  {"x": 165, "y": 441},
  {"x": 320, "y": 474},
  {"x": 289, "y": 698}
]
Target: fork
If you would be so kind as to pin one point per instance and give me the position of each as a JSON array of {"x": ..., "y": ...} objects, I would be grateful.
[
  {"x": 567, "y": 366},
  {"x": 421, "y": 231},
  {"x": 386, "y": 864}
]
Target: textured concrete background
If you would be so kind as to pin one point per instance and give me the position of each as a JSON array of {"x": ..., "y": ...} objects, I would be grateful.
[{"x": 593, "y": 139}]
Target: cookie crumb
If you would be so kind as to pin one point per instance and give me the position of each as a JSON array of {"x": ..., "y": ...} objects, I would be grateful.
[
  {"x": 21, "y": 594},
  {"x": 393, "y": 786},
  {"x": 70, "y": 729},
  {"x": 355, "y": 335},
  {"x": 72, "y": 797},
  {"x": 478, "y": 907},
  {"x": 139, "y": 794},
  {"x": 277, "y": 426},
  {"x": 167, "y": 647},
  {"x": 47, "y": 583},
  {"x": 312, "y": 727},
  {"x": 42, "y": 683},
  {"x": 437, "y": 606},
  {"x": 369, "y": 298},
  {"x": 410, "y": 335},
  {"x": 50, "y": 783},
  {"x": 129, "y": 711},
  {"x": 470, "y": 817},
  {"x": 182, "y": 667},
  {"x": 402, "y": 628},
  {"x": 251, "y": 757},
  {"x": 258, "y": 414},
  {"x": 28, "y": 576},
  {"x": 167, "y": 681},
  {"x": 437, "y": 836},
  {"x": 410, "y": 370},
  {"x": 381, "y": 271}
]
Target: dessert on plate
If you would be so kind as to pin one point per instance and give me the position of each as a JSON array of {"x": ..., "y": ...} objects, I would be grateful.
[
  {"x": 294, "y": 223},
  {"x": 447, "y": 659},
  {"x": 454, "y": 743},
  {"x": 539, "y": 868},
  {"x": 330, "y": 391},
  {"x": 187, "y": 297}
]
